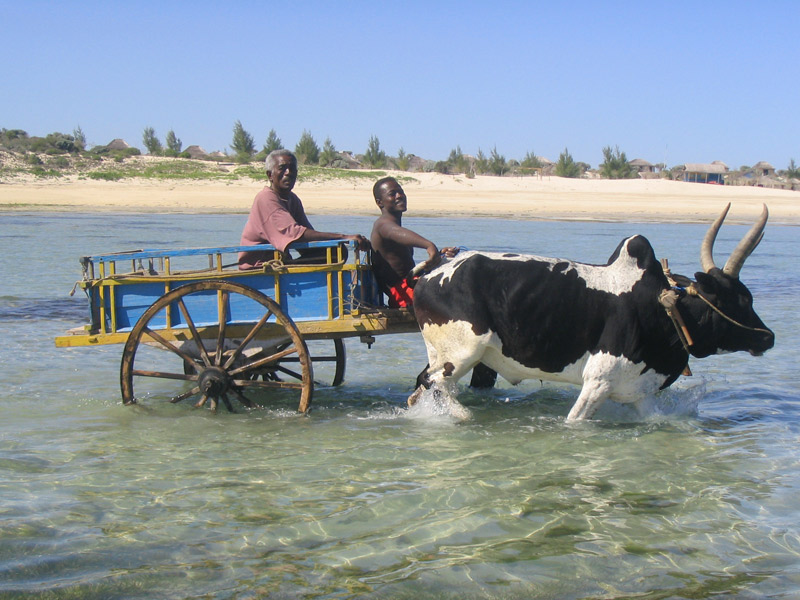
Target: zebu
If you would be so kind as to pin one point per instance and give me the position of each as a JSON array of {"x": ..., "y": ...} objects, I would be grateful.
[{"x": 621, "y": 330}]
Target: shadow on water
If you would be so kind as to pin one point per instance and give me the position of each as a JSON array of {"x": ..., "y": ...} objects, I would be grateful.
[{"x": 73, "y": 308}]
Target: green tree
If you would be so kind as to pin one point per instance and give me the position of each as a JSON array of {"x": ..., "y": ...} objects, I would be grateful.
[
  {"x": 151, "y": 141},
  {"x": 374, "y": 156},
  {"x": 442, "y": 166},
  {"x": 566, "y": 166},
  {"x": 307, "y": 150},
  {"x": 497, "y": 162},
  {"x": 615, "y": 165},
  {"x": 174, "y": 143},
  {"x": 531, "y": 161},
  {"x": 80, "y": 138},
  {"x": 403, "y": 160},
  {"x": 59, "y": 143},
  {"x": 481, "y": 163},
  {"x": 273, "y": 142},
  {"x": 242, "y": 143},
  {"x": 457, "y": 162},
  {"x": 328, "y": 154},
  {"x": 792, "y": 171}
]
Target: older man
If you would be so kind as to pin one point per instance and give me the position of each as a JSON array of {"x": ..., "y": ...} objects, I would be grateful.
[{"x": 277, "y": 216}]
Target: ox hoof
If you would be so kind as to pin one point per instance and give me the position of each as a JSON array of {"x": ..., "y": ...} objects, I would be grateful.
[{"x": 413, "y": 398}]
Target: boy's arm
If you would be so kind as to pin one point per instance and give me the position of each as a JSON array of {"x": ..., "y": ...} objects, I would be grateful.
[{"x": 406, "y": 237}]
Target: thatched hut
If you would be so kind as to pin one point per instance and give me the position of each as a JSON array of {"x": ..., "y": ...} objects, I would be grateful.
[
  {"x": 763, "y": 169},
  {"x": 196, "y": 151},
  {"x": 640, "y": 165},
  {"x": 118, "y": 144},
  {"x": 705, "y": 172}
]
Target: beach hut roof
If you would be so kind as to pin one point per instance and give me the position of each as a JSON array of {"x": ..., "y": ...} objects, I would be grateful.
[
  {"x": 706, "y": 168},
  {"x": 196, "y": 151},
  {"x": 640, "y": 162},
  {"x": 763, "y": 165},
  {"x": 416, "y": 163},
  {"x": 351, "y": 161},
  {"x": 118, "y": 144}
]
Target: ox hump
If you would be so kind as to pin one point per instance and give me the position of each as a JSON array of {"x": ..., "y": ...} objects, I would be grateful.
[{"x": 629, "y": 263}]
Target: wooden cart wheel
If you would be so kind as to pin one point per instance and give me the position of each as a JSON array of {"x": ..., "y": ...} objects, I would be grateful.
[
  {"x": 216, "y": 362},
  {"x": 341, "y": 361},
  {"x": 319, "y": 353}
]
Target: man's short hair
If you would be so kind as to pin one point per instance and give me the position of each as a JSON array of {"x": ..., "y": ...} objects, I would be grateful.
[
  {"x": 272, "y": 158},
  {"x": 376, "y": 189}
]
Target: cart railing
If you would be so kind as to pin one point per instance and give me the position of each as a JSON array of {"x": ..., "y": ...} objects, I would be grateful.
[{"x": 120, "y": 286}]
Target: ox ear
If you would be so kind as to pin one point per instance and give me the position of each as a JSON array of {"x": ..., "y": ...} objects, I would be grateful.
[{"x": 707, "y": 281}]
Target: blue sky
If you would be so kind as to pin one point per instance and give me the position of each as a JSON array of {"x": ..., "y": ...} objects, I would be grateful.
[{"x": 670, "y": 82}]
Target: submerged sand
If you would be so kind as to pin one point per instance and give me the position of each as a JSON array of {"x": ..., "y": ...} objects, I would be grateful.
[{"x": 430, "y": 195}]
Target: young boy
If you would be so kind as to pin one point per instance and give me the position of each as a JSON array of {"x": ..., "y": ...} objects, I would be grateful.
[{"x": 393, "y": 245}]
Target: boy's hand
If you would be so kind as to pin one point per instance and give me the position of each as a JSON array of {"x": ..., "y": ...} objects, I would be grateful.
[{"x": 449, "y": 251}]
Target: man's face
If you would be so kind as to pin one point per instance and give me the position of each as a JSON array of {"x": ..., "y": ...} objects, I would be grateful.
[
  {"x": 393, "y": 198},
  {"x": 283, "y": 175}
]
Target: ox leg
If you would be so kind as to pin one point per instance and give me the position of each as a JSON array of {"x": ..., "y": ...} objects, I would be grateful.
[
  {"x": 429, "y": 377},
  {"x": 452, "y": 351},
  {"x": 423, "y": 379},
  {"x": 423, "y": 383},
  {"x": 448, "y": 373},
  {"x": 593, "y": 394},
  {"x": 483, "y": 377}
]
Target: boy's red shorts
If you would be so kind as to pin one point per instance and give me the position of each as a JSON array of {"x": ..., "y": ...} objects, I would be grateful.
[{"x": 401, "y": 295}]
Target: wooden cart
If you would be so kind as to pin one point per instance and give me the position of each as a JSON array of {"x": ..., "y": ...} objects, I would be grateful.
[{"x": 195, "y": 326}]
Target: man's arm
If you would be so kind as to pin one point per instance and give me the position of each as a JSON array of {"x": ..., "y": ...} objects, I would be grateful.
[{"x": 312, "y": 235}]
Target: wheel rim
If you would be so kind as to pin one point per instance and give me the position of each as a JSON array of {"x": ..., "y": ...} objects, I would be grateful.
[{"x": 218, "y": 363}]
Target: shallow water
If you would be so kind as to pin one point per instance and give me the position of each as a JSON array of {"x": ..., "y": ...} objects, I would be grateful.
[{"x": 366, "y": 498}]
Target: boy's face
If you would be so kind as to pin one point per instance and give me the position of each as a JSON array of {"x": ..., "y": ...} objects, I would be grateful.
[{"x": 393, "y": 198}]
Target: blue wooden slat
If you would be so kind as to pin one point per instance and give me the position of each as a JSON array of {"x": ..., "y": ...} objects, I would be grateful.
[{"x": 162, "y": 253}]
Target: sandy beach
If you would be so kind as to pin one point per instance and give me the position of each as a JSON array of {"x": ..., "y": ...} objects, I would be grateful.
[{"x": 430, "y": 195}]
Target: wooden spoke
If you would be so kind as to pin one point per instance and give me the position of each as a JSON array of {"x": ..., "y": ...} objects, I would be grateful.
[
  {"x": 195, "y": 336},
  {"x": 163, "y": 375},
  {"x": 192, "y": 392},
  {"x": 294, "y": 374},
  {"x": 276, "y": 385},
  {"x": 223, "y": 302},
  {"x": 264, "y": 361},
  {"x": 227, "y": 403},
  {"x": 242, "y": 398},
  {"x": 253, "y": 332},
  {"x": 168, "y": 345},
  {"x": 327, "y": 376}
]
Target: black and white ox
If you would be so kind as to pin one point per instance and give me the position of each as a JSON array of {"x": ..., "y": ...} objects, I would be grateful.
[{"x": 622, "y": 330}]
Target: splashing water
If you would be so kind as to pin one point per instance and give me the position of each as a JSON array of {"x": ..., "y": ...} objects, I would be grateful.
[
  {"x": 438, "y": 401},
  {"x": 678, "y": 401}
]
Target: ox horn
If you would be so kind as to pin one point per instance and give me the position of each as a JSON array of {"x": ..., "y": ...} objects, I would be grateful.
[
  {"x": 706, "y": 258},
  {"x": 746, "y": 245}
]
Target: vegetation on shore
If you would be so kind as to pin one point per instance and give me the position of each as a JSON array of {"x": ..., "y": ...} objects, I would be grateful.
[{"x": 60, "y": 155}]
